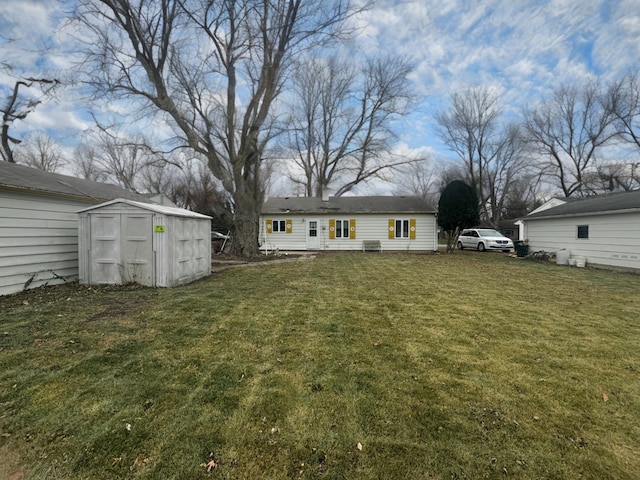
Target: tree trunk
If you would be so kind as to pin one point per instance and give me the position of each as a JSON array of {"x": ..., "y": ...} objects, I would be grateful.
[
  {"x": 246, "y": 226},
  {"x": 7, "y": 153}
]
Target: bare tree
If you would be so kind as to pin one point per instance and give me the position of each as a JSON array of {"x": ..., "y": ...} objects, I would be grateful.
[
  {"x": 41, "y": 151},
  {"x": 213, "y": 69},
  {"x": 110, "y": 155},
  {"x": 623, "y": 101},
  {"x": 17, "y": 106},
  {"x": 615, "y": 176},
  {"x": 341, "y": 118},
  {"x": 568, "y": 132},
  {"x": 420, "y": 179},
  {"x": 85, "y": 164},
  {"x": 190, "y": 184},
  {"x": 490, "y": 150},
  {"x": 524, "y": 196},
  {"x": 502, "y": 172}
]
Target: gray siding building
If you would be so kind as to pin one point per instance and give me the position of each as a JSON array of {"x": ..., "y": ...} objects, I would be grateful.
[{"x": 39, "y": 224}]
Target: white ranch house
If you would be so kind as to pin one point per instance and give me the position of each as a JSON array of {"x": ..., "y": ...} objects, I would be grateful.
[
  {"x": 384, "y": 223},
  {"x": 39, "y": 224},
  {"x": 604, "y": 230}
]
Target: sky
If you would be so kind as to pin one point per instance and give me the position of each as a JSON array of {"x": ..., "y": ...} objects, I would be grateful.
[{"x": 521, "y": 48}]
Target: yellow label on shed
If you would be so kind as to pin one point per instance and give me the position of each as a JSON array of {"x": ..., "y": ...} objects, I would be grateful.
[{"x": 158, "y": 228}]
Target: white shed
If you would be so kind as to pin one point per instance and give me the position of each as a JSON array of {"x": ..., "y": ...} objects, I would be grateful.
[{"x": 125, "y": 241}]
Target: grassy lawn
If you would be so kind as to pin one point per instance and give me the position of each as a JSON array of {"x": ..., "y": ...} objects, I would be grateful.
[{"x": 354, "y": 366}]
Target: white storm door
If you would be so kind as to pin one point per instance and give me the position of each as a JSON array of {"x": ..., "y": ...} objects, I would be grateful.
[{"x": 313, "y": 234}]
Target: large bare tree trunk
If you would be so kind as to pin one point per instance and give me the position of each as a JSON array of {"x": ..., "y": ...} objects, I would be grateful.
[{"x": 213, "y": 69}]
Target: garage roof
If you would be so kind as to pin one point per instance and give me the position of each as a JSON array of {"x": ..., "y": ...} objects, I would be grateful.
[
  {"x": 600, "y": 204},
  {"x": 27, "y": 179}
]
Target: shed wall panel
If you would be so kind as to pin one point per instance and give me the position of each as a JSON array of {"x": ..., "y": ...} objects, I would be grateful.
[
  {"x": 105, "y": 253},
  {"x": 137, "y": 249}
]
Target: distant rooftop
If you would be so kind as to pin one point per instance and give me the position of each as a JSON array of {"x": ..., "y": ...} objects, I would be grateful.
[{"x": 346, "y": 205}]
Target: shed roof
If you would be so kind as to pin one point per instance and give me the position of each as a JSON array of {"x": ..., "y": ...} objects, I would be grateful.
[
  {"x": 27, "y": 179},
  {"x": 600, "y": 205},
  {"x": 346, "y": 205},
  {"x": 151, "y": 207}
]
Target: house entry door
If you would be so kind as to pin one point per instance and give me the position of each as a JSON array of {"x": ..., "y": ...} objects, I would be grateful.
[{"x": 313, "y": 238}]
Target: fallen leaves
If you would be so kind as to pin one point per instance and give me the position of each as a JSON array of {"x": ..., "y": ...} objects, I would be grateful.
[
  {"x": 140, "y": 462},
  {"x": 605, "y": 397},
  {"x": 211, "y": 465}
]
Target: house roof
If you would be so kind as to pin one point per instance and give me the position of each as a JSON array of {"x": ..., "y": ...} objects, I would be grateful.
[
  {"x": 602, "y": 204},
  {"x": 163, "y": 209},
  {"x": 346, "y": 205},
  {"x": 27, "y": 179}
]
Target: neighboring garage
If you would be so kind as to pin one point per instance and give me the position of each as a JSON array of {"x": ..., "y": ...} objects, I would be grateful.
[{"x": 125, "y": 241}]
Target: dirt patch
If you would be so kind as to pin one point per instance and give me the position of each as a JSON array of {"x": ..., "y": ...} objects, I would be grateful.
[
  {"x": 131, "y": 305},
  {"x": 10, "y": 468},
  {"x": 230, "y": 258},
  {"x": 223, "y": 261}
]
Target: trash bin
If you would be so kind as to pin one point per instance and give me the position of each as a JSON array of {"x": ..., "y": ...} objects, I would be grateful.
[{"x": 522, "y": 249}]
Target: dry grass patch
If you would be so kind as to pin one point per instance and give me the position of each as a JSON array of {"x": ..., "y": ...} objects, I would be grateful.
[{"x": 350, "y": 366}]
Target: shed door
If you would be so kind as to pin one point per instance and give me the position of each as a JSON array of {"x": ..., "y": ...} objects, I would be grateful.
[
  {"x": 122, "y": 249},
  {"x": 105, "y": 249},
  {"x": 137, "y": 249}
]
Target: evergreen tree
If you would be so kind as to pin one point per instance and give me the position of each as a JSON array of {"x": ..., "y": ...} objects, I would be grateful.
[{"x": 457, "y": 209}]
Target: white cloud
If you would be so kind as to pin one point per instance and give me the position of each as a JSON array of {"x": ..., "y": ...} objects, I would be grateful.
[{"x": 524, "y": 48}]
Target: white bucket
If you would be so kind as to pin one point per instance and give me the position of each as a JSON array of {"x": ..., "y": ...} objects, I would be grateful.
[
  {"x": 572, "y": 262},
  {"x": 562, "y": 256},
  {"x": 581, "y": 262}
]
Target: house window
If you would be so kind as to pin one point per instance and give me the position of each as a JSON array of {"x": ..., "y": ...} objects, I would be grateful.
[
  {"x": 279, "y": 226},
  {"x": 402, "y": 228},
  {"x": 313, "y": 228},
  {"x": 342, "y": 228},
  {"x": 583, "y": 231}
]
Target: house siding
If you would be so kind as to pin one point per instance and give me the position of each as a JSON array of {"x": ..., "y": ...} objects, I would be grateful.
[
  {"x": 367, "y": 227},
  {"x": 38, "y": 240},
  {"x": 614, "y": 239}
]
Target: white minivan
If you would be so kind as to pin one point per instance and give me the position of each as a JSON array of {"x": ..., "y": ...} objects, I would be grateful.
[{"x": 483, "y": 239}]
